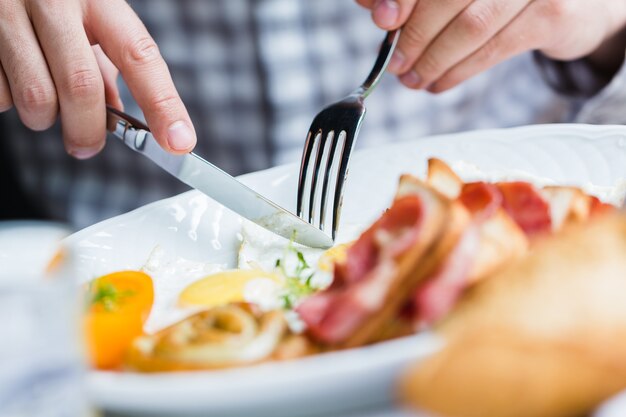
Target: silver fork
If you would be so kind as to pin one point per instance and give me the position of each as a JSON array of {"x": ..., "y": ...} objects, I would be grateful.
[{"x": 336, "y": 126}]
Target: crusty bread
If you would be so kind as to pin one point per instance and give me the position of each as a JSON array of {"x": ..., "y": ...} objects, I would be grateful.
[
  {"x": 546, "y": 338},
  {"x": 501, "y": 243},
  {"x": 438, "y": 237},
  {"x": 441, "y": 177},
  {"x": 501, "y": 239},
  {"x": 567, "y": 205}
]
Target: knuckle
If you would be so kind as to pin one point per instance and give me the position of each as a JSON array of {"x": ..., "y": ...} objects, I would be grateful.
[
  {"x": 165, "y": 103},
  {"x": 490, "y": 51},
  {"x": 557, "y": 11},
  {"x": 38, "y": 97},
  {"x": 142, "y": 51},
  {"x": 84, "y": 83},
  {"x": 414, "y": 36},
  {"x": 9, "y": 10},
  {"x": 476, "y": 21},
  {"x": 46, "y": 4},
  {"x": 428, "y": 67}
]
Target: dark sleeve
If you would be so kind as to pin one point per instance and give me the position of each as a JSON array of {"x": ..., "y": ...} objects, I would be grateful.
[
  {"x": 599, "y": 100},
  {"x": 575, "y": 79}
]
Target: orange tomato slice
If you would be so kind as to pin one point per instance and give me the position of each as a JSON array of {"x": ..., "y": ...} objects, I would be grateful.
[{"x": 118, "y": 304}]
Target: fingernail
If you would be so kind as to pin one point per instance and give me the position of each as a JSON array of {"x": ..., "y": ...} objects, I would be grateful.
[
  {"x": 397, "y": 59},
  {"x": 180, "y": 136},
  {"x": 411, "y": 79},
  {"x": 386, "y": 13},
  {"x": 84, "y": 153}
]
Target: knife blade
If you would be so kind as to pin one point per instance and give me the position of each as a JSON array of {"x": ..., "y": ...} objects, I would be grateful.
[{"x": 215, "y": 183}]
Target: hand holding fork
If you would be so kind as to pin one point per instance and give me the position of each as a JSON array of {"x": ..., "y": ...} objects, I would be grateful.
[{"x": 329, "y": 145}]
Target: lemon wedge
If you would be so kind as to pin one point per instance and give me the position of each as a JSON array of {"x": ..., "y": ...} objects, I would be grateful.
[{"x": 224, "y": 287}]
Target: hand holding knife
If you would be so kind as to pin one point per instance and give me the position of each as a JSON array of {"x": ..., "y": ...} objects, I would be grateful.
[{"x": 215, "y": 183}]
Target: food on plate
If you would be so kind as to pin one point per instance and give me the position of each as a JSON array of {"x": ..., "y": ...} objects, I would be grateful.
[
  {"x": 228, "y": 287},
  {"x": 545, "y": 337},
  {"x": 239, "y": 316},
  {"x": 117, "y": 306},
  {"x": 440, "y": 238},
  {"x": 383, "y": 266},
  {"x": 225, "y": 336},
  {"x": 56, "y": 263}
]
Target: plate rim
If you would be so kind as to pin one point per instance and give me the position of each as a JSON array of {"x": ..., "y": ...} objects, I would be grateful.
[{"x": 584, "y": 131}]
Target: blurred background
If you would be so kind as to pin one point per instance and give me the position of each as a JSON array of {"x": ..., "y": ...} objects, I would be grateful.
[{"x": 253, "y": 74}]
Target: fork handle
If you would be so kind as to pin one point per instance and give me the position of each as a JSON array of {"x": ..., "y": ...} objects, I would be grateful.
[{"x": 384, "y": 56}]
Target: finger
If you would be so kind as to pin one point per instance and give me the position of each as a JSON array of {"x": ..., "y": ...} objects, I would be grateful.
[
  {"x": 127, "y": 42},
  {"x": 571, "y": 18},
  {"x": 512, "y": 40},
  {"x": 368, "y": 4},
  {"x": 109, "y": 75},
  {"x": 5, "y": 93},
  {"x": 391, "y": 14},
  {"x": 470, "y": 30},
  {"x": 59, "y": 26},
  {"x": 32, "y": 89},
  {"x": 427, "y": 20}
]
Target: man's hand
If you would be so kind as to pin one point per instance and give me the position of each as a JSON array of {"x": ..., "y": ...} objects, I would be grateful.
[
  {"x": 445, "y": 42},
  {"x": 49, "y": 66}
]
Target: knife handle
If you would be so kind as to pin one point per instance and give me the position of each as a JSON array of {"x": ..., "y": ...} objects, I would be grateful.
[
  {"x": 114, "y": 116},
  {"x": 125, "y": 127}
]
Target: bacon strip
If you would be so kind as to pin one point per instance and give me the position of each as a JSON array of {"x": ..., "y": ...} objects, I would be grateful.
[
  {"x": 360, "y": 286},
  {"x": 440, "y": 292},
  {"x": 526, "y": 206},
  {"x": 434, "y": 241},
  {"x": 481, "y": 199},
  {"x": 519, "y": 199}
]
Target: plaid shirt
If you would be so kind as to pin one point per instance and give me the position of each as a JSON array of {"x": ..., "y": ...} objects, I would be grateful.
[{"x": 253, "y": 74}]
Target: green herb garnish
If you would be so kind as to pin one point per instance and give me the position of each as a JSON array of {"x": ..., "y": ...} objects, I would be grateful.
[
  {"x": 298, "y": 277},
  {"x": 107, "y": 295}
]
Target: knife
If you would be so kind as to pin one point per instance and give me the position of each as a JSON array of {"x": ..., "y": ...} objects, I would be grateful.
[{"x": 215, "y": 183}]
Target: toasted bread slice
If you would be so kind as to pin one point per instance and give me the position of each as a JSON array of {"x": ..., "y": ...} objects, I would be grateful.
[
  {"x": 501, "y": 241},
  {"x": 545, "y": 337},
  {"x": 420, "y": 261},
  {"x": 567, "y": 205},
  {"x": 384, "y": 266},
  {"x": 411, "y": 272},
  {"x": 443, "y": 178}
]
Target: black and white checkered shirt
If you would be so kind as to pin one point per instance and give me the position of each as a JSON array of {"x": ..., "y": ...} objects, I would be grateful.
[{"x": 253, "y": 73}]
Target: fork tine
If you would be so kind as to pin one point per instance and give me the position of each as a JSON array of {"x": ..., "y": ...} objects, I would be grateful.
[
  {"x": 342, "y": 173},
  {"x": 304, "y": 166},
  {"x": 344, "y": 116},
  {"x": 327, "y": 174},
  {"x": 316, "y": 171}
]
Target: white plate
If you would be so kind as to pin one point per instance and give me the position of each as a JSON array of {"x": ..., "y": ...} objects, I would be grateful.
[
  {"x": 196, "y": 228},
  {"x": 26, "y": 247}
]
